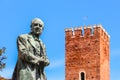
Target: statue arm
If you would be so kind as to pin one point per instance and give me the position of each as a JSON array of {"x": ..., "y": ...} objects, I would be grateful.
[
  {"x": 24, "y": 52},
  {"x": 46, "y": 60}
]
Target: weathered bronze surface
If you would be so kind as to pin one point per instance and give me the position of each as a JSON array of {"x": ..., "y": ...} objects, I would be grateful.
[{"x": 32, "y": 57}]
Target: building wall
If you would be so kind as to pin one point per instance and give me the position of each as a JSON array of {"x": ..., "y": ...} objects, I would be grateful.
[
  {"x": 104, "y": 56},
  {"x": 85, "y": 53}
]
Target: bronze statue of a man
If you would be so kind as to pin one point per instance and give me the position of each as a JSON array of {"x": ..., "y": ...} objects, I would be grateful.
[{"x": 32, "y": 57}]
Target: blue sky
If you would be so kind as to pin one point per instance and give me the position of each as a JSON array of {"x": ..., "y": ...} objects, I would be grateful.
[{"x": 16, "y": 15}]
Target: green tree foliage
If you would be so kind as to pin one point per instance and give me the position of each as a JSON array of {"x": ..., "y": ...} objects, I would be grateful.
[{"x": 2, "y": 57}]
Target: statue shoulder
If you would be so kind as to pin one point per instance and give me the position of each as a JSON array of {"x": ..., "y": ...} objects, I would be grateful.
[{"x": 24, "y": 36}]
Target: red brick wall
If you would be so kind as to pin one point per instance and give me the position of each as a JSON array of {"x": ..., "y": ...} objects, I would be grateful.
[
  {"x": 104, "y": 56},
  {"x": 84, "y": 53}
]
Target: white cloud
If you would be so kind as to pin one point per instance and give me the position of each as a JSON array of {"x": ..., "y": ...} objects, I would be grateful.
[{"x": 56, "y": 63}]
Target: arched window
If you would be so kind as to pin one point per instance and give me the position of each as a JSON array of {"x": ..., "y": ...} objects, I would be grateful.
[{"x": 82, "y": 76}]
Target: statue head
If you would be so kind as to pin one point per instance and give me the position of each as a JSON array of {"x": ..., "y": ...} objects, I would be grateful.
[{"x": 37, "y": 26}]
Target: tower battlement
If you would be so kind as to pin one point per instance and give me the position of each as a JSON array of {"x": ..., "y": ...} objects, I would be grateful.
[{"x": 86, "y": 31}]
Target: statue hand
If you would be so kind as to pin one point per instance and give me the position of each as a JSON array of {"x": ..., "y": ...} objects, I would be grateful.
[
  {"x": 37, "y": 61},
  {"x": 41, "y": 60},
  {"x": 44, "y": 60},
  {"x": 47, "y": 62}
]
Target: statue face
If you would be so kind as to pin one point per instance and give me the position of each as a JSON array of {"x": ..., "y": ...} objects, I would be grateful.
[{"x": 37, "y": 28}]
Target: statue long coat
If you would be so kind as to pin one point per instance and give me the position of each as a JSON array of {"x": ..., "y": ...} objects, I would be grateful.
[{"x": 28, "y": 53}]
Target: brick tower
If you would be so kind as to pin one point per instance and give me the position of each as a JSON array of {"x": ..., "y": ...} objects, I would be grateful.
[{"x": 87, "y": 54}]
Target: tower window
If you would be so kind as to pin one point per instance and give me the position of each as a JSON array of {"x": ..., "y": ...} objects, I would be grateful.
[{"x": 82, "y": 76}]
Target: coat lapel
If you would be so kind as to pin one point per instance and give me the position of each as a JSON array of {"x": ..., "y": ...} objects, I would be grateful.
[{"x": 31, "y": 41}]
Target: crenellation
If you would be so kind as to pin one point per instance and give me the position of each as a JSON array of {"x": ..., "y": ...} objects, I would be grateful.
[
  {"x": 78, "y": 31},
  {"x": 69, "y": 32},
  {"x": 99, "y": 25},
  {"x": 107, "y": 34},
  {"x": 86, "y": 31},
  {"x": 68, "y": 29},
  {"x": 88, "y": 27},
  {"x": 85, "y": 27},
  {"x": 104, "y": 34},
  {"x": 96, "y": 32},
  {"x": 78, "y": 28}
]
